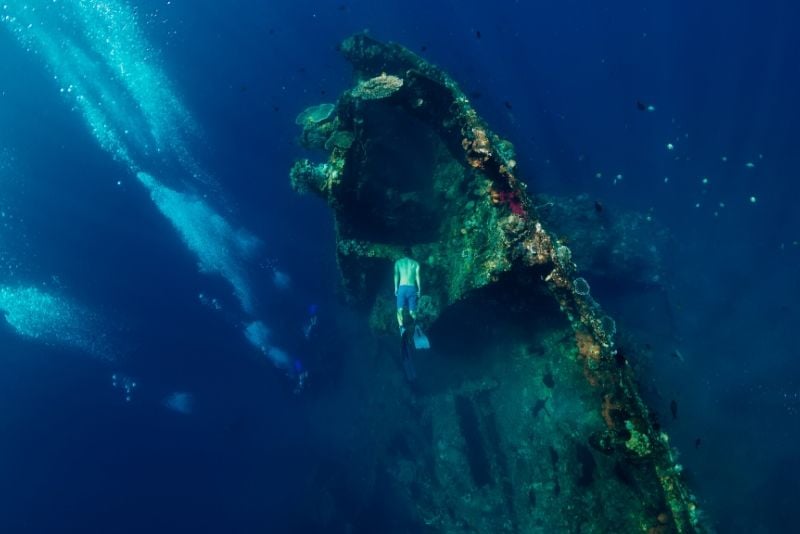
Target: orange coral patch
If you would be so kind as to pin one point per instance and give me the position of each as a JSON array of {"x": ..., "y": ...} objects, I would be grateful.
[
  {"x": 479, "y": 149},
  {"x": 587, "y": 346}
]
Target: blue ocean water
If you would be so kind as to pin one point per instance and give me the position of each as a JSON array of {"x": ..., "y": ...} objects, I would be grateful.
[{"x": 199, "y": 283}]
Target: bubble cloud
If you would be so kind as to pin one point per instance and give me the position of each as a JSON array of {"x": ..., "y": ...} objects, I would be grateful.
[
  {"x": 102, "y": 64},
  {"x": 53, "y": 320},
  {"x": 220, "y": 248}
]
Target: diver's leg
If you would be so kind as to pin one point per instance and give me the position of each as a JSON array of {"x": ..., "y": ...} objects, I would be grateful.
[
  {"x": 412, "y": 306},
  {"x": 400, "y": 317}
]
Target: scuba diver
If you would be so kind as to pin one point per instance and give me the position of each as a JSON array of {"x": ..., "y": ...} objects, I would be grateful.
[
  {"x": 299, "y": 374},
  {"x": 311, "y": 321}
]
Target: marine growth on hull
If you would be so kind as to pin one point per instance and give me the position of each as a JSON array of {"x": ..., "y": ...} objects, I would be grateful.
[{"x": 524, "y": 417}]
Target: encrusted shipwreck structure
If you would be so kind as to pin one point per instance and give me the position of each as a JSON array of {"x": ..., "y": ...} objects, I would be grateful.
[{"x": 530, "y": 419}]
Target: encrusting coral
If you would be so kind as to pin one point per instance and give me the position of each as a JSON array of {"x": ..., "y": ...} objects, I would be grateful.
[{"x": 378, "y": 87}]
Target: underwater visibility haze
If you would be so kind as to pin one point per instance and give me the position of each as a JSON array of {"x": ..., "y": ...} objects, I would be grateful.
[{"x": 399, "y": 267}]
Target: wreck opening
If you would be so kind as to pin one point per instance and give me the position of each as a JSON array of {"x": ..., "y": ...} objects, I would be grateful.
[
  {"x": 519, "y": 307},
  {"x": 396, "y": 159}
]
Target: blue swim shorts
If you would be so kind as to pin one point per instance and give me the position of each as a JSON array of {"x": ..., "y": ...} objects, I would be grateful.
[{"x": 407, "y": 295}]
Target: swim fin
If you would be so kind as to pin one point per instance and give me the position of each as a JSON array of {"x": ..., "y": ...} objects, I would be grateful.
[
  {"x": 421, "y": 341},
  {"x": 408, "y": 367}
]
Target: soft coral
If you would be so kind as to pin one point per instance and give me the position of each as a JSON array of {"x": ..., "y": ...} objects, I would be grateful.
[{"x": 508, "y": 197}]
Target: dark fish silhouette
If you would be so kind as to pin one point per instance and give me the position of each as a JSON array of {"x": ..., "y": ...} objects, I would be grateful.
[
  {"x": 423, "y": 48},
  {"x": 697, "y": 443},
  {"x": 598, "y": 206},
  {"x": 508, "y": 105},
  {"x": 478, "y": 34},
  {"x": 641, "y": 106},
  {"x": 673, "y": 407}
]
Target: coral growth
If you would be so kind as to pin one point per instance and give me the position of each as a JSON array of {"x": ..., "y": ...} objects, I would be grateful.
[
  {"x": 581, "y": 286},
  {"x": 378, "y": 87},
  {"x": 538, "y": 246},
  {"x": 315, "y": 114},
  {"x": 341, "y": 139},
  {"x": 507, "y": 197},
  {"x": 587, "y": 346},
  {"x": 478, "y": 147},
  {"x": 639, "y": 444}
]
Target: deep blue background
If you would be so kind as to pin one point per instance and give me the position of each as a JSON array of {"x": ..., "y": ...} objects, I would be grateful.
[{"x": 559, "y": 79}]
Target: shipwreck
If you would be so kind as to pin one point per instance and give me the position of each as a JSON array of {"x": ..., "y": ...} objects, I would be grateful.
[{"x": 537, "y": 426}]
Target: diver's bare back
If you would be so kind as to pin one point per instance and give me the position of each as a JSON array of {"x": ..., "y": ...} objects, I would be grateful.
[{"x": 407, "y": 269}]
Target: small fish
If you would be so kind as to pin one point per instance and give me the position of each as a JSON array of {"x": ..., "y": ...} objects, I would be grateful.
[
  {"x": 677, "y": 355},
  {"x": 697, "y": 443},
  {"x": 423, "y": 48},
  {"x": 673, "y": 408},
  {"x": 477, "y": 34},
  {"x": 508, "y": 105},
  {"x": 598, "y": 206}
]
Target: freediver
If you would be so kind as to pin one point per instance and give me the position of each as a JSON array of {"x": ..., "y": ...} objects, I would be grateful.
[{"x": 406, "y": 288}]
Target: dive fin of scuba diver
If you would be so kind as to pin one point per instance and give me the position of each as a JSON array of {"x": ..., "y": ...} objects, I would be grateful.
[{"x": 421, "y": 341}]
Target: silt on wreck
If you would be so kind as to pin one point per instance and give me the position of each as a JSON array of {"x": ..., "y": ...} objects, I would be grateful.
[{"x": 538, "y": 425}]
